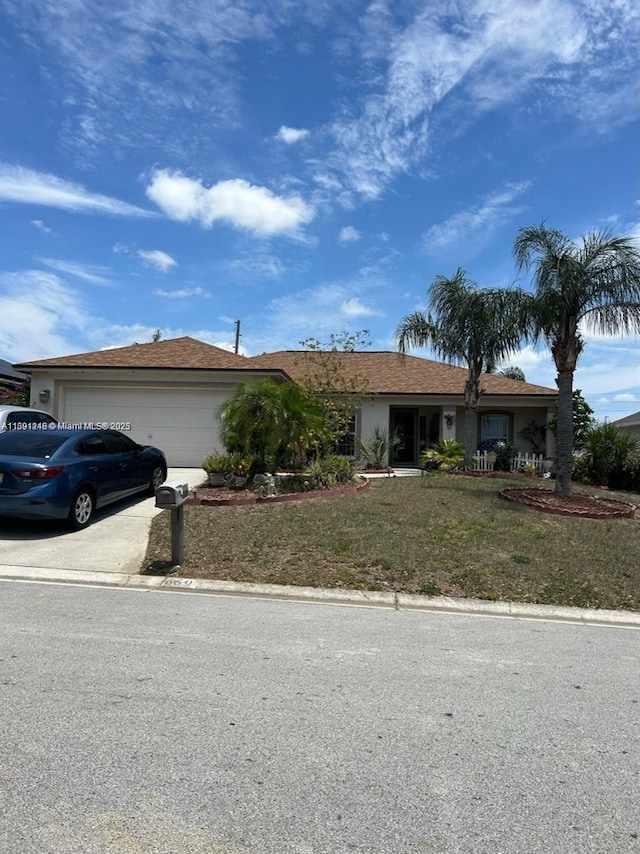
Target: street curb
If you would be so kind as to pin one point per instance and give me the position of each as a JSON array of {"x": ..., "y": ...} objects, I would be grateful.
[{"x": 328, "y": 596}]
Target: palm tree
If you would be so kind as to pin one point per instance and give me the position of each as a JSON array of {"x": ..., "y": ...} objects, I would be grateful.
[
  {"x": 269, "y": 421},
  {"x": 512, "y": 372},
  {"x": 467, "y": 325},
  {"x": 595, "y": 282}
]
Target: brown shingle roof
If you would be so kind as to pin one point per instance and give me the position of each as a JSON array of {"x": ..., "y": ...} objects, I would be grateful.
[
  {"x": 384, "y": 372},
  {"x": 390, "y": 373},
  {"x": 173, "y": 353}
]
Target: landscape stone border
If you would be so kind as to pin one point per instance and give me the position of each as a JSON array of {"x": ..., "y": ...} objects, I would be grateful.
[{"x": 578, "y": 504}]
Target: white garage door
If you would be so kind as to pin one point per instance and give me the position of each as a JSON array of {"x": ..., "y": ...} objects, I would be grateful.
[{"x": 180, "y": 422}]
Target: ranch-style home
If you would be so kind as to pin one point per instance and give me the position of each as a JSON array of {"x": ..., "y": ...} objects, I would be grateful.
[{"x": 167, "y": 393}]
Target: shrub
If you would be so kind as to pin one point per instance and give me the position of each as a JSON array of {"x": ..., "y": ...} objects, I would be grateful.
[
  {"x": 447, "y": 455},
  {"x": 217, "y": 463},
  {"x": 627, "y": 475},
  {"x": 505, "y": 454},
  {"x": 327, "y": 472},
  {"x": 581, "y": 470},
  {"x": 608, "y": 448},
  {"x": 379, "y": 448}
]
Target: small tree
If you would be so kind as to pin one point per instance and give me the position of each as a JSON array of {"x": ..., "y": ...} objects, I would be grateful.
[
  {"x": 326, "y": 375},
  {"x": 583, "y": 420}
]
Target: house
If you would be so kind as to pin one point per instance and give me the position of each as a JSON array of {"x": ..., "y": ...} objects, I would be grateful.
[
  {"x": 9, "y": 376},
  {"x": 630, "y": 424},
  {"x": 423, "y": 400},
  {"x": 11, "y": 381},
  {"x": 167, "y": 393}
]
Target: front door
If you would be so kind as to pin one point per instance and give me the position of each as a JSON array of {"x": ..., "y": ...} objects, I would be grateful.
[{"x": 404, "y": 422}]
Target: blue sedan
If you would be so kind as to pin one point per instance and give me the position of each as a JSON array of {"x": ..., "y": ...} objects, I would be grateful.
[{"x": 68, "y": 474}]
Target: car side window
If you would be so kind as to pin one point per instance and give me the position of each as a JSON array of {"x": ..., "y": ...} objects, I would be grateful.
[
  {"x": 24, "y": 417},
  {"x": 92, "y": 445},
  {"x": 118, "y": 443}
]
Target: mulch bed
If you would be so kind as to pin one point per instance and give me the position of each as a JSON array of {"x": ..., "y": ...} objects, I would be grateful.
[
  {"x": 223, "y": 497},
  {"x": 578, "y": 504}
]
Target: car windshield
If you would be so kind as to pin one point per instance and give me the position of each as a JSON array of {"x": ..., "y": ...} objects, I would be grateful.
[{"x": 22, "y": 443}]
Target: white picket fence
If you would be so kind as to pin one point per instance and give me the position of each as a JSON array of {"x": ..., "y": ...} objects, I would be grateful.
[{"x": 481, "y": 462}]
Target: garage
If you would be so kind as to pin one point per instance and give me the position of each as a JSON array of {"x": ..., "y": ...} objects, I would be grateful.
[{"x": 181, "y": 422}]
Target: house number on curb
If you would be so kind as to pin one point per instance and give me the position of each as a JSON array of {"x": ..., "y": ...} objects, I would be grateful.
[{"x": 178, "y": 582}]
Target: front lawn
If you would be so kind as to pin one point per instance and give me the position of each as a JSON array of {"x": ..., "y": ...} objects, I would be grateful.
[{"x": 437, "y": 534}]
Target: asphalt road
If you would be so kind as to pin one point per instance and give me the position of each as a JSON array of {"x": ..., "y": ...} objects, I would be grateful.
[{"x": 166, "y": 722}]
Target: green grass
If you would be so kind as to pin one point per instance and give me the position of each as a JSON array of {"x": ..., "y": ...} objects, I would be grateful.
[{"x": 437, "y": 535}]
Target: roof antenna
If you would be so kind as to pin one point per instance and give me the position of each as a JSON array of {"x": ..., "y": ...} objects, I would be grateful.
[{"x": 237, "y": 344}]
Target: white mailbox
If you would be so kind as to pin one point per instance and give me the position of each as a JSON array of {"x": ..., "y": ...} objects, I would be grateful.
[{"x": 172, "y": 494}]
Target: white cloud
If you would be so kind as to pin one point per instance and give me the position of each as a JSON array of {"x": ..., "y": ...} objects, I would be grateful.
[
  {"x": 120, "y": 248},
  {"x": 158, "y": 259},
  {"x": 92, "y": 273},
  {"x": 481, "y": 220},
  {"x": 348, "y": 234},
  {"x": 236, "y": 202},
  {"x": 182, "y": 293},
  {"x": 457, "y": 62},
  {"x": 129, "y": 69},
  {"x": 253, "y": 268},
  {"x": 39, "y": 224},
  {"x": 291, "y": 135},
  {"x": 314, "y": 312},
  {"x": 354, "y": 308},
  {"x": 625, "y": 397},
  {"x": 41, "y": 316},
  {"x": 25, "y": 186},
  {"x": 327, "y": 182}
]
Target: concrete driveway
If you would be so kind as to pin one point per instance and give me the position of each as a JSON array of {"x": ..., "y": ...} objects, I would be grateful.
[{"x": 116, "y": 541}]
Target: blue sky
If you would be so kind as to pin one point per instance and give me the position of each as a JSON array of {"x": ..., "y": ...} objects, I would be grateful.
[{"x": 305, "y": 167}]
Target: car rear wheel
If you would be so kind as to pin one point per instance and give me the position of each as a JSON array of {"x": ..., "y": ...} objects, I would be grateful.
[
  {"x": 157, "y": 479},
  {"x": 82, "y": 509}
]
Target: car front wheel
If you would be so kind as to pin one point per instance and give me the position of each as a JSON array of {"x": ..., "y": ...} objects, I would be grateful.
[
  {"x": 157, "y": 479},
  {"x": 82, "y": 509}
]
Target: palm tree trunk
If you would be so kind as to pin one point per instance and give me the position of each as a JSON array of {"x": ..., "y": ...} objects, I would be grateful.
[
  {"x": 470, "y": 435},
  {"x": 471, "y": 397},
  {"x": 564, "y": 433}
]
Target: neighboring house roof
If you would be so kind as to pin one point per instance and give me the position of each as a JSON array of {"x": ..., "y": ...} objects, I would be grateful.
[
  {"x": 8, "y": 372},
  {"x": 183, "y": 353},
  {"x": 632, "y": 420},
  {"x": 386, "y": 372}
]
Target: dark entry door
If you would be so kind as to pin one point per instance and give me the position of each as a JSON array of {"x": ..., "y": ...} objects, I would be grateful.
[{"x": 405, "y": 423}]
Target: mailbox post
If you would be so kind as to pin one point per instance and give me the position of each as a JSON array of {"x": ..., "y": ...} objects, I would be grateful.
[{"x": 171, "y": 496}]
